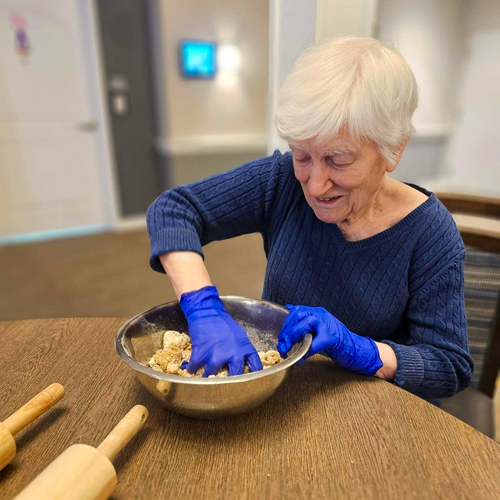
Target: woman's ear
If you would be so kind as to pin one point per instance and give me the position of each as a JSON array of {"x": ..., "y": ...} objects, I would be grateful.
[{"x": 390, "y": 168}]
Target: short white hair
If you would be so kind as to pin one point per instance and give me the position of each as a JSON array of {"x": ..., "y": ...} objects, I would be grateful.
[{"x": 352, "y": 84}]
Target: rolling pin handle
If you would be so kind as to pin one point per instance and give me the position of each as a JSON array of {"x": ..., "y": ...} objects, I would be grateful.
[
  {"x": 34, "y": 408},
  {"x": 126, "y": 429}
]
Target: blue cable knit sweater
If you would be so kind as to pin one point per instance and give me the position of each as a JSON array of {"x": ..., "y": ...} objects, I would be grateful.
[{"x": 403, "y": 286}]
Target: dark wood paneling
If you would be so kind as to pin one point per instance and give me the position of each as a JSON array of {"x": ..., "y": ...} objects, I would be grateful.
[{"x": 470, "y": 204}]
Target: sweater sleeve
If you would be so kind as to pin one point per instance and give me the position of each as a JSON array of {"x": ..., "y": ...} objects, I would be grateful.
[
  {"x": 435, "y": 361},
  {"x": 223, "y": 206}
]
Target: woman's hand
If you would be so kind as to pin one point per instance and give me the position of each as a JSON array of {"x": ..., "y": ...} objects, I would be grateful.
[
  {"x": 216, "y": 337},
  {"x": 347, "y": 349}
]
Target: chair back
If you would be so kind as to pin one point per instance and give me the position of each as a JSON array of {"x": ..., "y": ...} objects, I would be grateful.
[{"x": 482, "y": 281}]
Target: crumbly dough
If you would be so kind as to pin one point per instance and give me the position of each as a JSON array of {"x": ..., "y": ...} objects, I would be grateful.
[{"x": 177, "y": 348}]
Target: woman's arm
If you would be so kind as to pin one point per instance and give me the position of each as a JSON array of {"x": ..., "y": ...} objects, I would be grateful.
[
  {"x": 186, "y": 271},
  {"x": 237, "y": 202},
  {"x": 435, "y": 361},
  {"x": 183, "y": 219}
]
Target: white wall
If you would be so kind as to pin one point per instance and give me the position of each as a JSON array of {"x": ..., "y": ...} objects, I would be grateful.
[
  {"x": 472, "y": 161},
  {"x": 345, "y": 18},
  {"x": 55, "y": 162},
  {"x": 214, "y": 113},
  {"x": 292, "y": 26},
  {"x": 429, "y": 34}
]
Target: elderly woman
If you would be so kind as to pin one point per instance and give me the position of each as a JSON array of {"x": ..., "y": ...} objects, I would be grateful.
[{"x": 371, "y": 266}]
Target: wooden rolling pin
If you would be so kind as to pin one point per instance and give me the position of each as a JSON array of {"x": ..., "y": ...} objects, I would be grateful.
[
  {"x": 24, "y": 416},
  {"x": 83, "y": 472}
]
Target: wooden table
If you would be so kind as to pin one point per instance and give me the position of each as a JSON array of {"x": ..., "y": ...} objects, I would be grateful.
[{"x": 327, "y": 433}]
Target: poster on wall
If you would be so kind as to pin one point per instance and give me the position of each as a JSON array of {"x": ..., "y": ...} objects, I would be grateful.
[
  {"x": 22, "y": 44},
  {"x": 197, "y": 59}
]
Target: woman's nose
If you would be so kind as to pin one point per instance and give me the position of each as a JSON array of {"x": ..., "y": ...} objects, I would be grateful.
[{"x": 319, "y": 180}]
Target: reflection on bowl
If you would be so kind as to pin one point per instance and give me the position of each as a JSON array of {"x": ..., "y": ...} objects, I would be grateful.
[{"x": 140, "y": 337}]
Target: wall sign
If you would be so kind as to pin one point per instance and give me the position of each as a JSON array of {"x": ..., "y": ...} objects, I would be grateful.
[
  {"x": 197, "y": 59},
  {"x": 21, "y": 40}
]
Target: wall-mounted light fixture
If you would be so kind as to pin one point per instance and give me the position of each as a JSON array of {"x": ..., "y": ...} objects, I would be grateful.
[{"x": 228, "y": 59}]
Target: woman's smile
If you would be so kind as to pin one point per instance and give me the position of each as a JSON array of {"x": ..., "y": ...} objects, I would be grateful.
[{"x": 331, "y": 200}]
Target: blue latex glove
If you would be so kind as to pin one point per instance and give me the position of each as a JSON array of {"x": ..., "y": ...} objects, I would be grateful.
[
  {"x": 351, "y": 351},
  {"x": 216, "y": 337}
]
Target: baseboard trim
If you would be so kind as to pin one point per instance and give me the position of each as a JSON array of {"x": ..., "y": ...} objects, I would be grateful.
[{"x": 38, "y": 236}]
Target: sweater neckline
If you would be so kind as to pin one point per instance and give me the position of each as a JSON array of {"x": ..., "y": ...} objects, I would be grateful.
[{"x": 391, "y": 231}]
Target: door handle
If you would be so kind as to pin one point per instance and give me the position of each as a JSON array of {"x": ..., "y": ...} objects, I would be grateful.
[{"x": 89, "y": 126}]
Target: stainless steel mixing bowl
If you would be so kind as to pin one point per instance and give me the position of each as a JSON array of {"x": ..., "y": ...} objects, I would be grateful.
[{"x": 140, "y": 337}]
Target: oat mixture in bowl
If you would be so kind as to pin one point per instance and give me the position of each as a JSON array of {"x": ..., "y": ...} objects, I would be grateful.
[
  {"x": 141, "y": 337},
  {"x": 177, "y": 350}
]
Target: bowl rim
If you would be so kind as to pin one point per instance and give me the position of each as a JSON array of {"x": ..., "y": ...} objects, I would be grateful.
[{"x": 178, "y": 379}]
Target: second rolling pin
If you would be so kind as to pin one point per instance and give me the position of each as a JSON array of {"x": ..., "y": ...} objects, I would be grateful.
[
  {"x": 83, "y": 472},
  {"x": 24, "y": 416}
]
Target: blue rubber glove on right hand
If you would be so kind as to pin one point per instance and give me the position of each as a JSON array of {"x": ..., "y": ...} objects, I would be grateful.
[
  {"x": 347, "y": 349},
  {"x": 216, "y": 337}
]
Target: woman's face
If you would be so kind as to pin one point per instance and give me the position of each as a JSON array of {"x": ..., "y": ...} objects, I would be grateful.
[{"x": 339, "y": 178}]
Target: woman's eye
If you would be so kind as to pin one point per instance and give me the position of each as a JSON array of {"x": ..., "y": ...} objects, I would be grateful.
[
  {"x": 302, "y": 160},
  {"x": 338, "y": 165}
]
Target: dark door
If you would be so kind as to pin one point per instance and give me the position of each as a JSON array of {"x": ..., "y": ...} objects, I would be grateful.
[{"x": 128, "y": 67}]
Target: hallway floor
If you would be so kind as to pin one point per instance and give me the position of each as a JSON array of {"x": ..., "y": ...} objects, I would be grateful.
[{"x": 108, "y": 275}]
